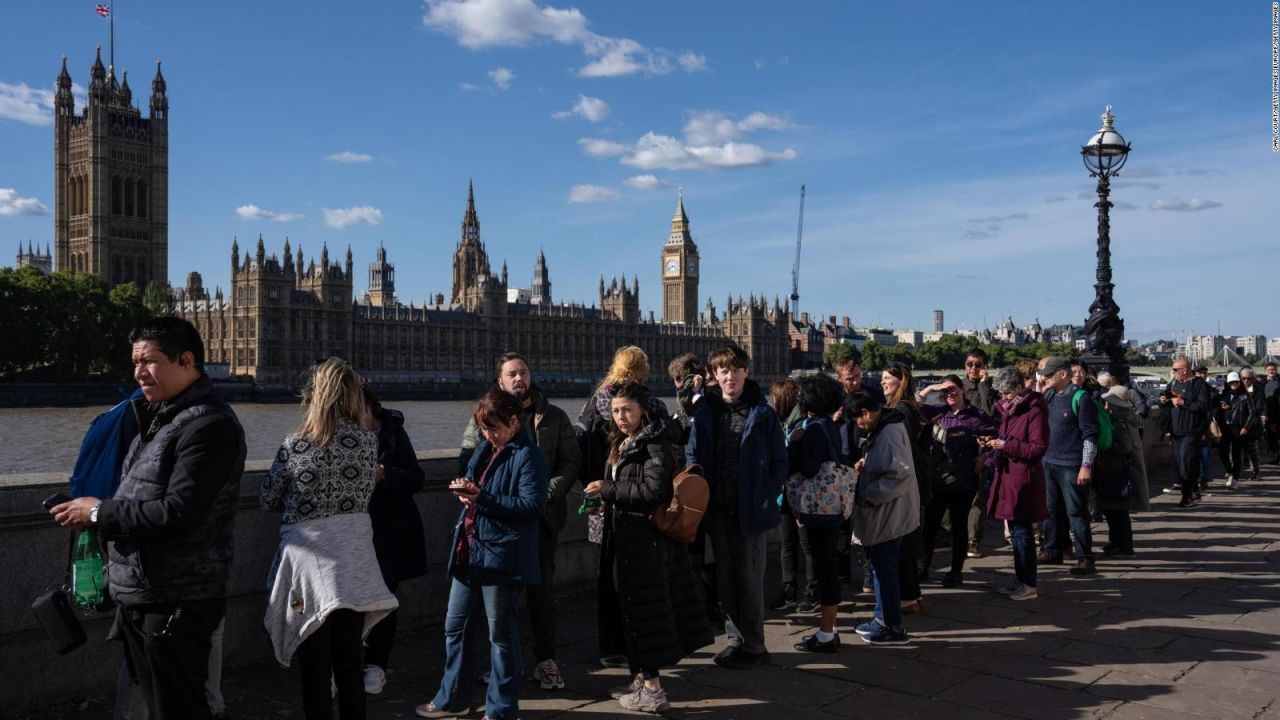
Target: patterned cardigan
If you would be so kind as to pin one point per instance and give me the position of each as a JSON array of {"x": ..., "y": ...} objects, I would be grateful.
[{"x": 309, "y": 483}]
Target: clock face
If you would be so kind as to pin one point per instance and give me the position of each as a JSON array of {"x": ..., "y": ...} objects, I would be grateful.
[
  {"x": 673, "y": 266},
  {"x": 693, "y": 267}
]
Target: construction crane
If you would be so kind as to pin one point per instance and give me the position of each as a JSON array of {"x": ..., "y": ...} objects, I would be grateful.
[{"x": 795, "y": 270}]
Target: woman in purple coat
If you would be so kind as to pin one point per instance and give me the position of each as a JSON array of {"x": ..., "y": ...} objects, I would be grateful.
[{"x": 1017, "y": 490}]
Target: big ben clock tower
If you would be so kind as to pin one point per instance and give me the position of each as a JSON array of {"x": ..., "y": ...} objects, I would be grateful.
[{"x": 680, "y": 271}]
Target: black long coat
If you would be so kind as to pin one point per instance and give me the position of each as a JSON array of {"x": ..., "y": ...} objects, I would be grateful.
[
  {"x": 651, "y": 606},
  {"x": 398, "y": 537}
]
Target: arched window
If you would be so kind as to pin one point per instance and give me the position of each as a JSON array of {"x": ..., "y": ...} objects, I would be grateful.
[
  {"x": 115, "y": 270},
  {"x": 84, "y": 195},
  {"x": 73, "y": 195},
  {"x": 115, "y": 195},
  {"x": 142, "y": 198},
  {"x": 128, "y": 197}
]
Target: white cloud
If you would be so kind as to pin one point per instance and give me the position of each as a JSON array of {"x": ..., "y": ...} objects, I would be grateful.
[
  {"x": 602, "y": 148},
  {"x": 25, "y": 104},
  {"x": 589, "y": 108},
  {"x": 645, "y": 182},
  {"x": 762, "y": 121},
  {"x": 253, "y": 212},
  {"x": 692, "y": 62},
  {"x": 502, "y": 77},
  {"x": 469, "y": 87},
  {"x": 661, "y": 151},
  {"x": 592, "y": 194},
  {"x": 350, "y": 216},
  {"x": 12, "y": 204},
  {"x": 705, "y": 127},
  {"x": 1180, "y": 205},
  {"x": 481, "y": 24},
  {"x": 346, "y": 157},
  {"x": 503, "y": 23}
]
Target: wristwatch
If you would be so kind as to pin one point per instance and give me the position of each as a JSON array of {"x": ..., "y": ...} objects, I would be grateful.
[{"x": 93, "y": 514}]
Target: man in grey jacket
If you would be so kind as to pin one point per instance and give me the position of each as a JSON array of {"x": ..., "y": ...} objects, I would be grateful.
[
  {"x": 176, "y": 506},
  {"x": 553, "y": 432}
]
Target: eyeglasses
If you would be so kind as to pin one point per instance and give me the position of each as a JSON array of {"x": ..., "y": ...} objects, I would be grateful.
[{"x": 974, "y": 363}]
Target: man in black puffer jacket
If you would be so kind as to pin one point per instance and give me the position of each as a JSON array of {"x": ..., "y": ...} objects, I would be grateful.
[{"x": 170, "y": 524}]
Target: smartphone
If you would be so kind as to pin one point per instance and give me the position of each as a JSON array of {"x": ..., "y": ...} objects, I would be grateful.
[{"x": 56, "y": 499}]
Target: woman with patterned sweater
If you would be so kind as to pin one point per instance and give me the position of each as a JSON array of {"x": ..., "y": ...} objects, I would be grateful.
[{"x": 325, "y": 588}]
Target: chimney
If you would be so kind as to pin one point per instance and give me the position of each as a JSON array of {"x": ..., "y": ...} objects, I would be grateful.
[
  {"x": 845, "y": 321},
  {"x": 804, "y": 318}
]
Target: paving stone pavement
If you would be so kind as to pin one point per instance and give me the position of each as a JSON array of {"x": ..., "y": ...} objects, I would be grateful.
[{"x": 1190, "y": 628}]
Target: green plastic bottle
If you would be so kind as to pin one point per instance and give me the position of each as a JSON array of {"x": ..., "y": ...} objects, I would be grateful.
[{"x": 87, "y": 571}]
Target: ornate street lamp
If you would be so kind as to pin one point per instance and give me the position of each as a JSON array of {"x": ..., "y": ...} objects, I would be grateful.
[{"x": 1104, "y": 155}]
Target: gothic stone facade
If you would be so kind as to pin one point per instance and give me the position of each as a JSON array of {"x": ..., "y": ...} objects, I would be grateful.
[
  {"x": 282, "y": 315},
  {"x": 111, "y": 180}
]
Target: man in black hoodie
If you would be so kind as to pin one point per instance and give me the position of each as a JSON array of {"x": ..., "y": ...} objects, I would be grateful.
[{"x": 1187, "y": 400}]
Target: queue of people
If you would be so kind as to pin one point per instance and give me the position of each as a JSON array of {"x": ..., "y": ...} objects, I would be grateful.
[{"x": 1035, "y": 446}]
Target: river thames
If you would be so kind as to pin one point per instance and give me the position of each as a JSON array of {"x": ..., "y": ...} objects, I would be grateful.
[{"x": 47, "y": 439}]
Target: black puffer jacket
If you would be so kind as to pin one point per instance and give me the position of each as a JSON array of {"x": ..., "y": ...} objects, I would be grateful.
[
  {"x": 651, "y": 606},
  {"x": 398, "y": 537},
  {"x": 170, "y": 524},
  {"x": 1240, "y": 414}
]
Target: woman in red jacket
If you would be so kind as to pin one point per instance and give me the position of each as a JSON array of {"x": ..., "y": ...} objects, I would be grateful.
[{"x": 1017, "y": 490}]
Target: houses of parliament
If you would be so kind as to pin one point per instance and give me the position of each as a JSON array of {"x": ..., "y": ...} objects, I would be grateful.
[{"x": 286, "y": 311}]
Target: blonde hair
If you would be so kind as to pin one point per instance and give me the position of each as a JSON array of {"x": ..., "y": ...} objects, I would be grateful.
[
  {"x": 334, "y": 395},
  {"x": 629, "y": 363}
]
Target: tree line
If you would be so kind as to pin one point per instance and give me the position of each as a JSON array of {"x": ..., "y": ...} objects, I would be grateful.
[
  {"x": 948, "y": 353},
  {"x": 66, "y": 326}
]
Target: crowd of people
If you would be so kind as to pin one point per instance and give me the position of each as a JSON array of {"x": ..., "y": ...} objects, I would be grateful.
[{"x": 1044, "y": 448}]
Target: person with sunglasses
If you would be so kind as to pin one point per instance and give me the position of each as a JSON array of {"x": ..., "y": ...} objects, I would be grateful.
[
  {"x": 953, "y": 468},
  {"x": 979, "y": 394}
]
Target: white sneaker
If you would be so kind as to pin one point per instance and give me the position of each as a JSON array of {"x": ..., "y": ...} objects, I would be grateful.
[
  {"x": 1232, "y": 483},
  {"x": 375, "y": 679},
  {"x": 548, "y": 675}
]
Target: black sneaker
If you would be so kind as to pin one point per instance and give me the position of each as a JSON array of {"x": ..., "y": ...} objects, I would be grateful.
[
  {"x": 887, "y": 636},
  {"x": 952, "y": 580},
  {"x": 811, "y": 643},
  {"x": 807, "y": 605},
  {"x": 739, "y": 659},
  {"x": 786, "y": 600}
]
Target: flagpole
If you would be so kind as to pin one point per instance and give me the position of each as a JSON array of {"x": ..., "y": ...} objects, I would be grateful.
[{"x": 111, "y": 17}]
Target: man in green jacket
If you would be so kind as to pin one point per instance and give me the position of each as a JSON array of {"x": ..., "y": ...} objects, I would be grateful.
[{"x": 553, "y": 432}]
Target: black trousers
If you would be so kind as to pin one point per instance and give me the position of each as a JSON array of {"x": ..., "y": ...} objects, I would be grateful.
[
  {"x": 333, "y": 650},
  {"x": 956, "y": 499},
  {"x": 167, "y": 649},
  {"x": 383, "y": 635},
  {"x": 541, "y": 598},
  {"x": 823, "y": 547}
]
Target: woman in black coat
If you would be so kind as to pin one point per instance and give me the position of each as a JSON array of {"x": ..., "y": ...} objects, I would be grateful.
[
  {"x": 650, "y": 604},
  {"x": 398, "y": 538}
]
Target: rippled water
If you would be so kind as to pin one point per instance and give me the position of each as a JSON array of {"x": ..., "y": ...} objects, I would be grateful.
[{"x": 47, "y": 439}]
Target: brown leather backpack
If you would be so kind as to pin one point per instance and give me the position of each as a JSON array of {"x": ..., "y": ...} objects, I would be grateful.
[{"x": 690, "y": 495}]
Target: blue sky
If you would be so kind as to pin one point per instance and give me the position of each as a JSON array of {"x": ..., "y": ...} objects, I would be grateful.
[{"x": 939, "y": 142}]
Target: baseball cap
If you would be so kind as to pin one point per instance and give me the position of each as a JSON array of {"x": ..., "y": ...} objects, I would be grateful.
[
  {"x": 1053, "y": 364},
  {"x": 1233, "y": 376}
]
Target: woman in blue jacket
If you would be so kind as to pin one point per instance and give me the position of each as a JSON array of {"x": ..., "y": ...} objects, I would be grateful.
[{"x": 495, "y": 550}]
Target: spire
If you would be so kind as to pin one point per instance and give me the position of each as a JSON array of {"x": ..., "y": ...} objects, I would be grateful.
[
  {"x": 97, "y": 80},
  {"x": 262, "y": 251},
  {"x": 235, "y": 255},
  {"x": 126, "y": 95},
  {"x": 349, "y": 262},
  {"x": 680, "y": 216},
  {"x": 470, "y": 221},
  {"x": 65, "y": 103},
  {"x": 324, "y": 258},
  {"x": 159, "y": 100},
  {"x": 680, "y": 225},
  {"x": 113, "y": 87}
]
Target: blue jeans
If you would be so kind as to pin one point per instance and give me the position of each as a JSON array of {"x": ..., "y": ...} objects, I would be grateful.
[
  {"x": 1186, "y": 456},
  {"x": 1062, "y": 491},
  {"x": 884, "y": 577},
  {"x": 1206, "y": 463},
  {"x": 470, "y": 602},
  {"x": 1023, "y": 541}
]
